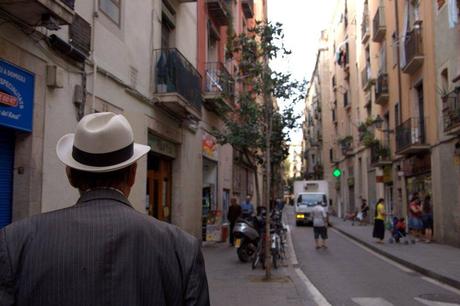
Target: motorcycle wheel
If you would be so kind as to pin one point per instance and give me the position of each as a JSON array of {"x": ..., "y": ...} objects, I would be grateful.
[{"x": 244, "y": 253}]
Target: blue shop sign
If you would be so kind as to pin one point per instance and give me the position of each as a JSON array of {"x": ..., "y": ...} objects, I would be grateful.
[{"x": 16, "y": 97}]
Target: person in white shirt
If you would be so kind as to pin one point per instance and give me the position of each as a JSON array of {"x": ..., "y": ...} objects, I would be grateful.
[{"x": 320, "y": 225}]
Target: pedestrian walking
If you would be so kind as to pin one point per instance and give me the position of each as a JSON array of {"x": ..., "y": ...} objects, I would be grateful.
[
  {"x": 100, "y": 251},
  {"x": 427, "y": 219},
  {"x": 247, "y": 209},
  {"x": 379, "y": 221},
  {"x": 320, "y": 221},
  {"x": 234, "y": 212}
]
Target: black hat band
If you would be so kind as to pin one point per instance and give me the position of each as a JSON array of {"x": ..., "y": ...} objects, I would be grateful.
[{"x": 103, "y": 159}]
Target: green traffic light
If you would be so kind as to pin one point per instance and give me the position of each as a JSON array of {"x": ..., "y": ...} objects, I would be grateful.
[{"x": 337, "y": 172}]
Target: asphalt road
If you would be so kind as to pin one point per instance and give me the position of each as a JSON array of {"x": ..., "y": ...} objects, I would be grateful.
[{"x": 347, "y": 274}]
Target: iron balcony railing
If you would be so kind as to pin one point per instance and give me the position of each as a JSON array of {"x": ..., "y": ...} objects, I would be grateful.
[
  {"x": 413, "y": 45},
  {"x": 219, "y": 80},
  {"x": 380, "y": 154},
  {"x": 378, "y": 25},
  {"x": 451, "y": 110},
  {"x": 381, "y": 88},
  {"x": 175, "y": 74},
  {"x": 411, "y": 132}
]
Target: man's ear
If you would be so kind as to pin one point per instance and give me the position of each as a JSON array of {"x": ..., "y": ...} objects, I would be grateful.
[
  {"x": 69, "y": 176},
  {"x": 132, "y": 175}
]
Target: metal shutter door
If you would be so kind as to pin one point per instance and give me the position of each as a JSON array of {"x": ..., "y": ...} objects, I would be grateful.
[{"x": 6, "y": 174}]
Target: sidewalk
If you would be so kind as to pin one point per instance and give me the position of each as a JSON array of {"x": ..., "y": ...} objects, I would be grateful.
[
  {"x": 234, "y": 283},
  {"x": 438, "y": 261}
]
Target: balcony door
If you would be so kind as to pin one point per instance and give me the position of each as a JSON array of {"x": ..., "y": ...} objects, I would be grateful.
[{"x": 421, "y": 113}]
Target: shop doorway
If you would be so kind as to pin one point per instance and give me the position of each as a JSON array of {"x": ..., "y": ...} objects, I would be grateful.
[
  {"x": 159, "y": 183},
  {"x": 210, "y": 215},
  {"x": 6, "y": 175}
]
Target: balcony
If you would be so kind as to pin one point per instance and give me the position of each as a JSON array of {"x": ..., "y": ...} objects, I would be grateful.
[
  {"x": 248, "y": 8},
  {"x": 219, "y": 87},
  {"x": 413, "y": 47},
  {"x": 451, "y": 112},
  {"x": 381, "y": 89},
  {"x": 379, "y": 27},
  {"x": 380, "y": 155},
  {"x": 366, "y": 79},
  {"x": 365, "y": 35},
  {"x": 346, "y": 145},
  {"x": 177, "y": 83},
  {"x": 37, "y": 12},
  {"x": 217, "y": 9},
  {"x": 411, "y": 137}
]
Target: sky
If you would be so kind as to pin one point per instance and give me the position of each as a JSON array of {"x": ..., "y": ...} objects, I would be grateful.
[{"x": 302, "y": 22}]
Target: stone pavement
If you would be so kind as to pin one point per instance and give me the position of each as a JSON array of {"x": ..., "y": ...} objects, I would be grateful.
[
  {"x": 234, "y": 283},
  {"x": 438, "y": 261}
]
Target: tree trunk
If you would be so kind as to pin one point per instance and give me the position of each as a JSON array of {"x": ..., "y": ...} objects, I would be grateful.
[{"x": 268, "y": 260}]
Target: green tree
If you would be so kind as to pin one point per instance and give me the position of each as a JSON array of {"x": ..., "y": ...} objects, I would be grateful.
[{"x": 255, "y": 125}]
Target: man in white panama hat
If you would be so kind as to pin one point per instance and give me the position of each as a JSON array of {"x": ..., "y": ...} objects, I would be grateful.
[{"x": 100, "y": 251}]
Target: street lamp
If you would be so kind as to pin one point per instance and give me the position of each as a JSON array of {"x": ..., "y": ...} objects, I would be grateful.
[{"x": 378, "y": 122}]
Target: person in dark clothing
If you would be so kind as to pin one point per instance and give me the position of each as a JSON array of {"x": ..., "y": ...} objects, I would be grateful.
[
  {"x": 427, "y": 218},
  {"x": 100, "y": 251},
  {"x": 234, "y": 212}
]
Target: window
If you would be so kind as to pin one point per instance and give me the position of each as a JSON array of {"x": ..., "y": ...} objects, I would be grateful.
[
  {"x": 397, "y": 115},
  {"x": 111, "y": 8},
  {"x": 444, "y": 81},
  {"x": 331, "y": 155}
]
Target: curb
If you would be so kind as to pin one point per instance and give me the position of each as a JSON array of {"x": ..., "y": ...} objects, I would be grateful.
[{"x": 441, "y": 278}]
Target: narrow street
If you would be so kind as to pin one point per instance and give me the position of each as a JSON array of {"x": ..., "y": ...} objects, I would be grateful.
[{"x": 347, "y": 274}]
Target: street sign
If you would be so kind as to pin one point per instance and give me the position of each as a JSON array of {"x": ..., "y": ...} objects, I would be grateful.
[{"x": 337, "y": 172}]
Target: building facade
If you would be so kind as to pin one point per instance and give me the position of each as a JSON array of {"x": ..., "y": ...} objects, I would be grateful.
[
  {"x": 147, "y": 60},
  {"x": 391, "y": 71}
]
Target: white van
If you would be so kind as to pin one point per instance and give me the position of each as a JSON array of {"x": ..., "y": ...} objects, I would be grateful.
[
  {"x": 304, "y": 205},
  {"x": 307, "y": 195}
]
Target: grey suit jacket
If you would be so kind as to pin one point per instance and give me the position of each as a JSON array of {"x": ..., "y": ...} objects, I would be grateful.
[{"x": 99, "y": 252}]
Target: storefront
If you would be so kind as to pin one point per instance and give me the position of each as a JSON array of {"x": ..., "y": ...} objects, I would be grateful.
[
  {"x": 243, "y": 176},
  {"x": 211, "y": 215},
  {"x": 417, "y": 170},
  {"x": 159, "y": 178},
  {"x": 16, "y": 110}
]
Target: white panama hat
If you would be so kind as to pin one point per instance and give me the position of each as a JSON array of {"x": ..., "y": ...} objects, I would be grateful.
[{"x": 102, "y": 142}]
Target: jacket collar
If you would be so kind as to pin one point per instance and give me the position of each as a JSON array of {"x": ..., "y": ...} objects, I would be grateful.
[{"x": 103, "y": 193}]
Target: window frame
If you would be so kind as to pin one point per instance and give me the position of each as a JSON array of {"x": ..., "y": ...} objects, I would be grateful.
[{"x": 119, "y": 5}]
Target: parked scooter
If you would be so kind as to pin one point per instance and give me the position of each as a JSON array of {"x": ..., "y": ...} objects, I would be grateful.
[{"x": 247, "y": 236}]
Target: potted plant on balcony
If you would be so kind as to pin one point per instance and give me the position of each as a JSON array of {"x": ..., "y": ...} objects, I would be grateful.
[
  {"x": 345, "y": 143},
  {"x": 384, "y": 153},
  {"x": 362, "y": 129},
  {"x": 369, "y": 139}
]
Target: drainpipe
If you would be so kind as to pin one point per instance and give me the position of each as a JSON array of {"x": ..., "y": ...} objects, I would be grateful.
[
  {"x": 93, "y": 54},
  {"x": 403, "y": 178},
  {"x": 398, "y": 61}
]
